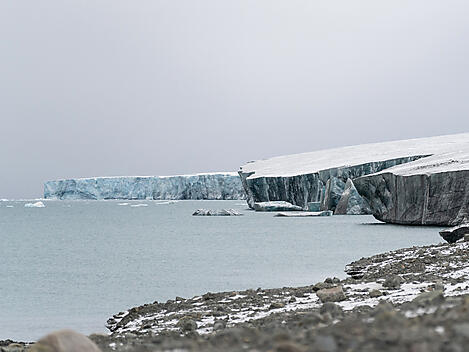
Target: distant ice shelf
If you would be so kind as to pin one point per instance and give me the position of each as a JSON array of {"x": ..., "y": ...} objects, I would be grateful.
[{"x": 221, "y": 186}]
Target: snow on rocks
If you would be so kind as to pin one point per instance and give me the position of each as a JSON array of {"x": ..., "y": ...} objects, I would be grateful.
[{"x": 407, "y": 278}]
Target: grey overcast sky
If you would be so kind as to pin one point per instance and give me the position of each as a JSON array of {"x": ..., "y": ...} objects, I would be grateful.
[{"x": 112, "y": 87}]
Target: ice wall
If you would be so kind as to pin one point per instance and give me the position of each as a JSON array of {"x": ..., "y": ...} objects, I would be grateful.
[{"x": 200, "y": 186}]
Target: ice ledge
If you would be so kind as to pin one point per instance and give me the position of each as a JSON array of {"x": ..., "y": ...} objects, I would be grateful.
[{"x": 221, "y": 185}]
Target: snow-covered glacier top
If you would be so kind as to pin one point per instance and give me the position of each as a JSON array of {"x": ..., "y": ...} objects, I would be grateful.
[
  {"x": 215, "y": 185},
  {"x": 439, "y": 148},
  {"x": 445, "y": 162}
]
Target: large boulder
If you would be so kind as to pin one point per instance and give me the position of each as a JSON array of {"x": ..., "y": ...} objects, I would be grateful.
[
  {"x": 351, "y": 203},
  {"x": 333, "y": 294},
  {"x": 65, "y": 341},
  {"x": 455, "y": 233}
]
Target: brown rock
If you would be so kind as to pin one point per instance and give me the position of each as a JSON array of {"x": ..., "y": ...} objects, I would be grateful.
[
  {"x": 65, "y": 341},
  {"x": 334, "y": 294}
]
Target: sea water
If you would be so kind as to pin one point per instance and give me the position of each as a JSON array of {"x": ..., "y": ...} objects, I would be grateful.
[{"x": 73, "y": 264}]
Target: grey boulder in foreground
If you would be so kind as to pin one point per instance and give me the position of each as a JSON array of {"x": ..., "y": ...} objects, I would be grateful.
[
  {"x": 454, "y": 234},
  {"x": 221, "y": 212},
  {"x": 65, "y": 341},
  {"x": 222, "y": 185}
]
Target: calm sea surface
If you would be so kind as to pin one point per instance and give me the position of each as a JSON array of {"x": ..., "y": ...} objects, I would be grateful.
[{"x": 73, "y": 264}]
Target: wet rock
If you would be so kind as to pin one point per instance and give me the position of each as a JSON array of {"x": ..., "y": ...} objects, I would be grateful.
[
  {"x": 65, "y": 341},
  {"x": 455, "y": 233},
  {"x": 334, "y": 294}
]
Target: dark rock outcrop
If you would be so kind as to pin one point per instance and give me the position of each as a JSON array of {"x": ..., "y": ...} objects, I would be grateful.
[{"x": 454, "y": 234}]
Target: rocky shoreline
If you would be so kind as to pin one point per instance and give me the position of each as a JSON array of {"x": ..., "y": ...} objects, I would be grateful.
[{"x": 414, "y": 299}]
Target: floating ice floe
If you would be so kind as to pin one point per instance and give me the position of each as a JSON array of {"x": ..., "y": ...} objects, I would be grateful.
[
  {"x": 122, "y": 203},
  {"x": 35, "y": 205},
  {"x": 139, "y": 205}
]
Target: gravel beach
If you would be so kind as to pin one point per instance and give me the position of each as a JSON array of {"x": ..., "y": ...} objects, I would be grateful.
[{"x": 412, "y": 299}]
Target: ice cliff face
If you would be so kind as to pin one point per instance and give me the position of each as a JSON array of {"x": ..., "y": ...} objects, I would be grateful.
[
  {"x": 430, "y": 191},
  {"x": 322, "y": 176},
  {"x": 200, "y": 186}
]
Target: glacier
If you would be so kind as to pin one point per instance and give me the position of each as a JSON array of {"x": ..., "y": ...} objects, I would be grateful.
[
  {"x": 323, "y": 176},
  {"x": 430, "y": 191},
  {"x": 218, "y": 185}
]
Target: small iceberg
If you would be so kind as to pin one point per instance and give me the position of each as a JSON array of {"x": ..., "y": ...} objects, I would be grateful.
[
  {"x": 35, "y": 205},
  {"x": 122, "y": 203},
  {"x": 302, "y": 214},
  {"x": 276, "y": 206},
  {"x": 221, "y": 212},
  {"x": 139, "y": 205}
]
